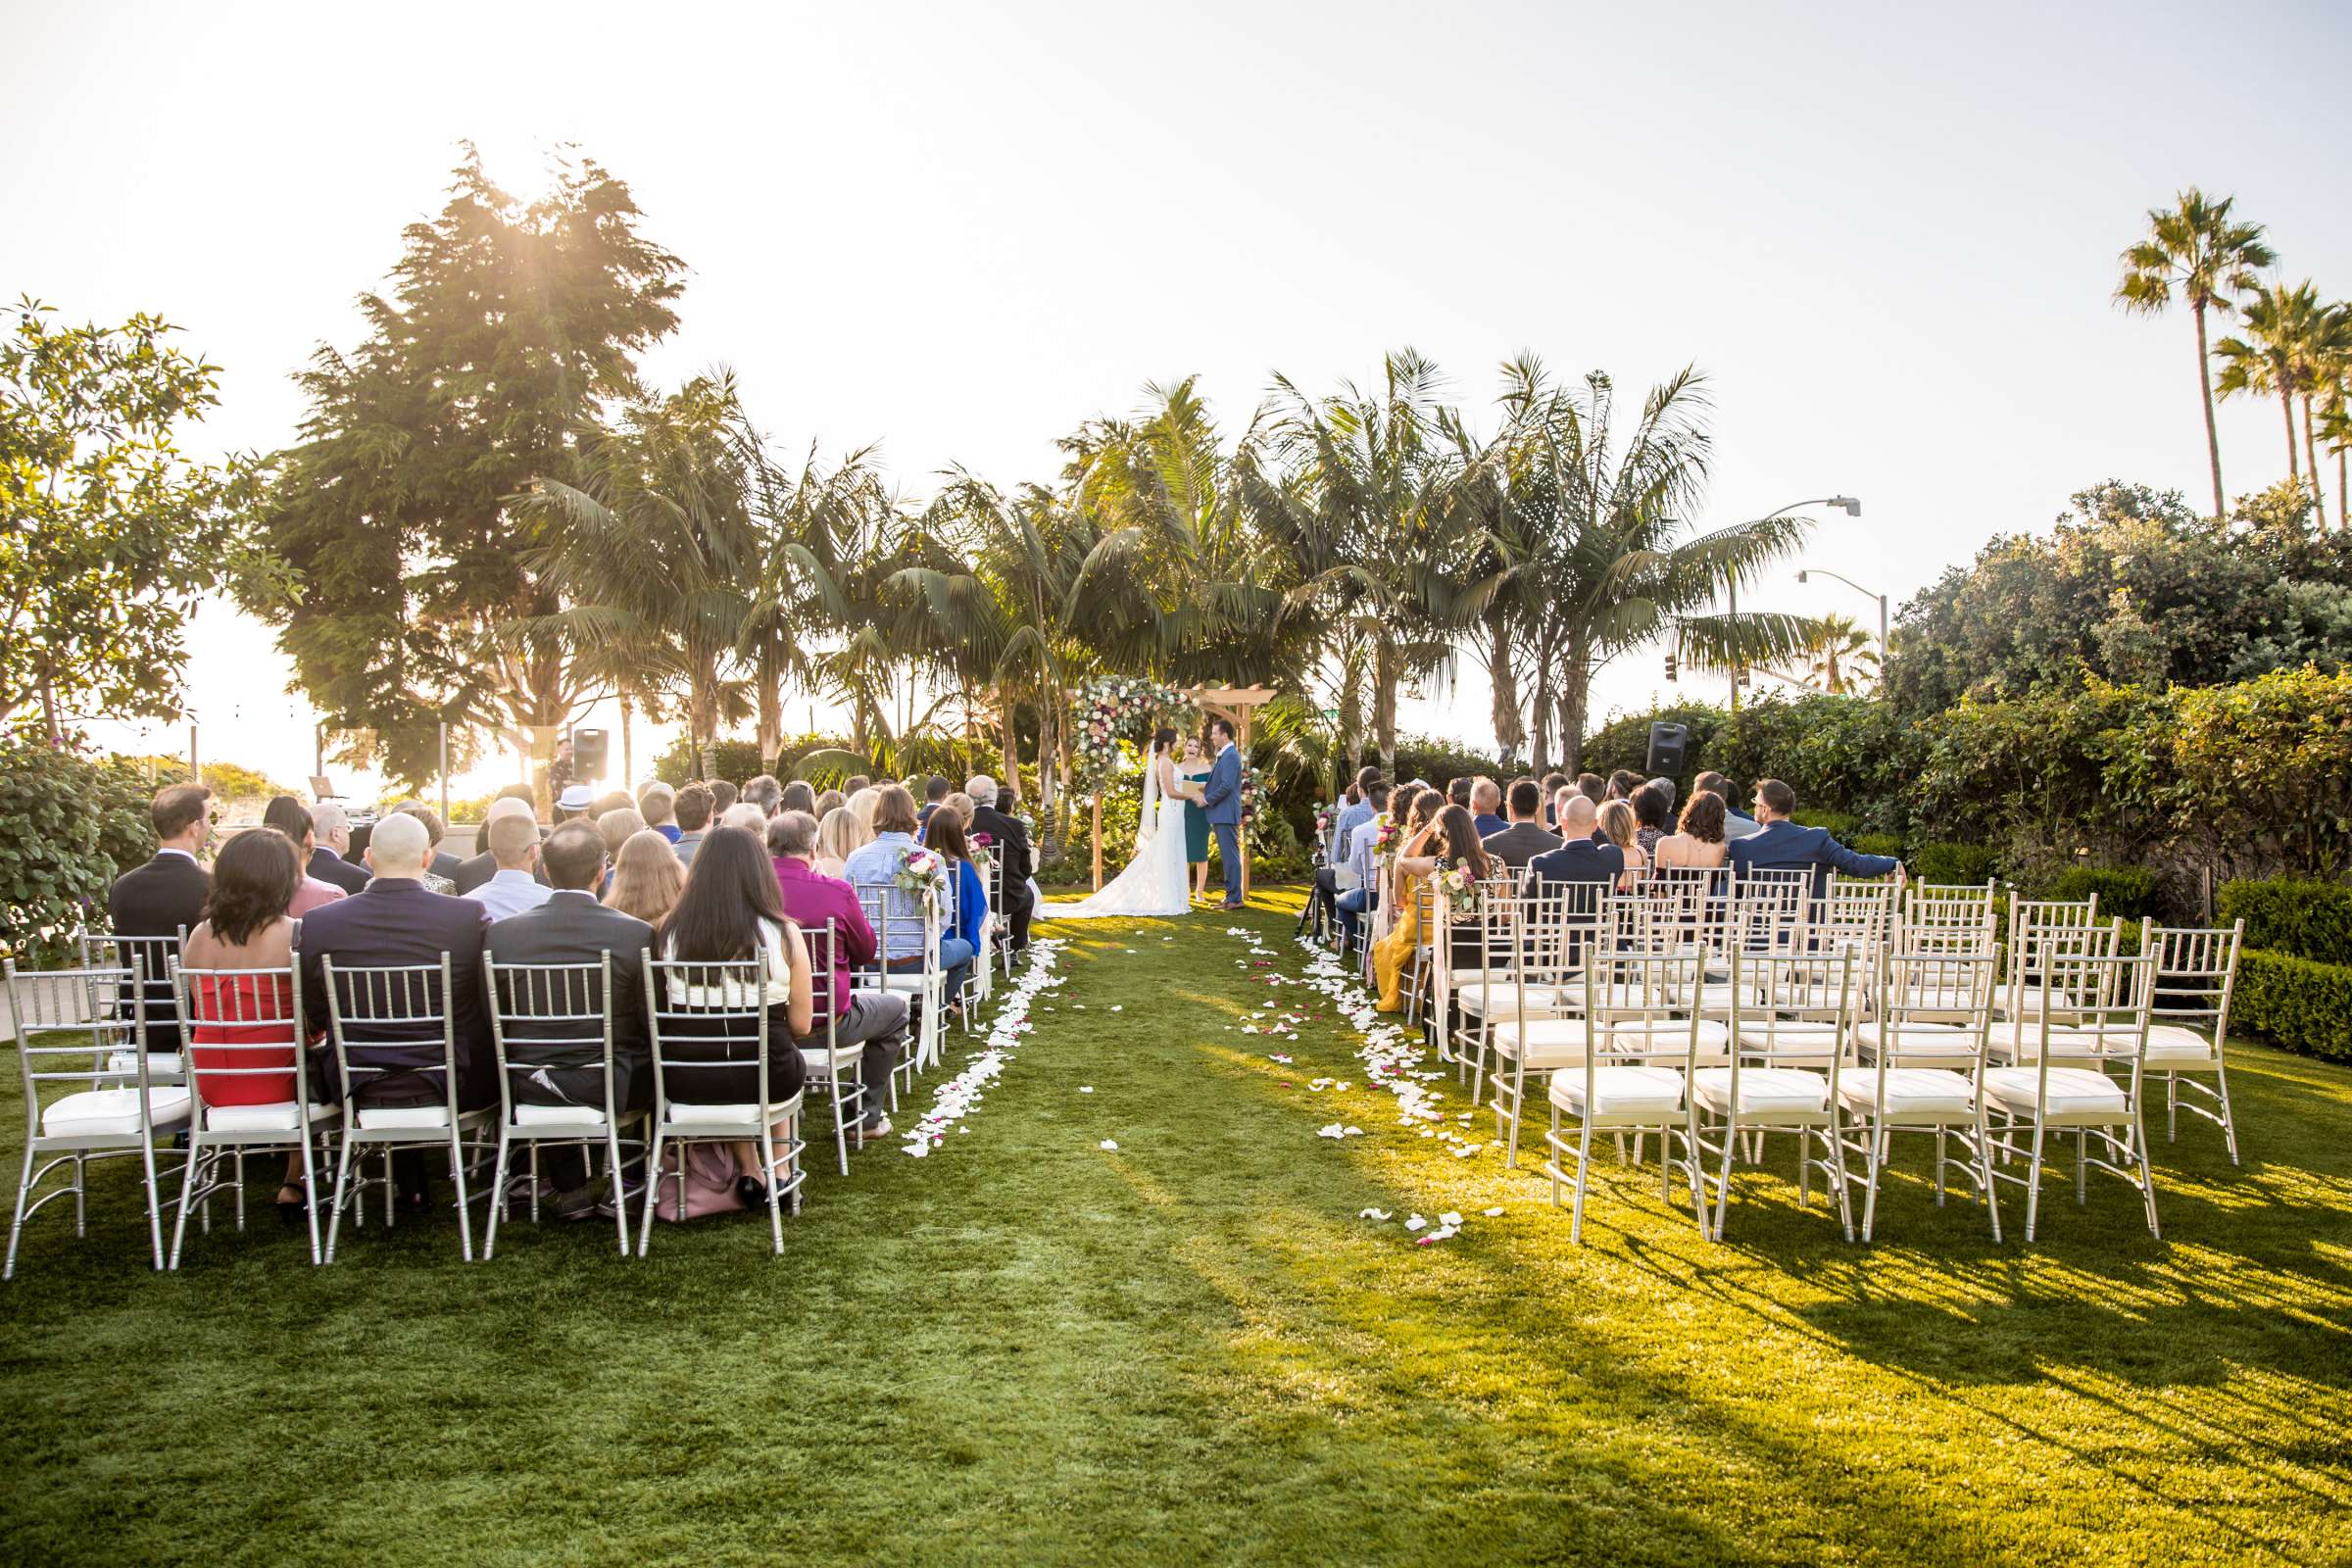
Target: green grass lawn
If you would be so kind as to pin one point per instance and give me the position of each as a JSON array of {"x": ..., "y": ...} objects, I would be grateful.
[{"x": 1028, "y": 1349}]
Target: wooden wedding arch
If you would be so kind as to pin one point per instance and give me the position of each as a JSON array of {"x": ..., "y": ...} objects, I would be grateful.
[{"x": 1235, "y": 705}]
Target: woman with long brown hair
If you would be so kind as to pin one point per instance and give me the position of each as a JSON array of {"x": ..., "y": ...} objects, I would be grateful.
[{"x": 1394, "y": 953}]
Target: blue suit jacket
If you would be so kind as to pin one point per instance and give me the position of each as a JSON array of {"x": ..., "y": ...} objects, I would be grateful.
[
  {"x": 1579, "y": 861},
  {"x": 1783, "y": 844},
  {"x": 1222, "y": 793}
]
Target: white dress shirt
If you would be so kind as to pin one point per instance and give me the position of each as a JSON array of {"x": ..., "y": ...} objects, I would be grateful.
[{"x": 511, "y": 891}]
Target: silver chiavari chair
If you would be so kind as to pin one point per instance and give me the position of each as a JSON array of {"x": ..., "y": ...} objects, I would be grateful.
[
  {"x": 1507, "y": 910},
  {"x": 897, "y": 916},
  {"x": 1855, "y": 914},
  {"x": 1641, "y": 1040},
  {"x": 1792, "y": 1015},
  {"x": 2196, "y": 972},
  {"x": 832, "y": 1064},
  {"x": 257, "y": 1037},
  {"x": 2032, "y": 921},
  {"x": 50, "y": 1015},
  {"x": 557, "y": 1017},
  {"x": 2069, "y": 1086},
  {"x": 1787, "y": 887},
  {"x": 1539, "y": 1025},
  {"x": 1426, "y": 909},
  {"x": 1922, "y": 1051},
  {"x": 2041, "y": 935},
  {"x": 386, "y": 1022},
  {"x": 705, "y": 1016},
  {"x": 150, "y": 958}
]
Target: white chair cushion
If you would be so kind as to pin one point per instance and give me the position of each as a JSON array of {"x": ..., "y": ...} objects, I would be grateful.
[
  {"x": 1471, "y": 995},
  {"x": 1620, "y": 1091},
  {"x": 1910, "y": 1091},
  {"x": 2016, "y": 1001},
  {"x": 101, "y": 1113},
  {"x": 385, "y": 1118},
  {"x": 559, "y": 1115},
  {"x": 1919, "y": 1039},
  {"x": 280, "y": 1116},
  {"x": 160, "y": 1064},
  {"x": 1761, "y": 1089},
  {"x": 1544, "y": 1043},
  {"x": 1790, "y": 1041},
  {"x": 742, "y": 1115},
  {"x": 818, "y": 1059},
  {"x": 2171, "y": 1044},
  {"x": 2073, "y": 1091},
  {"x": 908, "y": 979},
  {"x": 1668, "y": 1037}
]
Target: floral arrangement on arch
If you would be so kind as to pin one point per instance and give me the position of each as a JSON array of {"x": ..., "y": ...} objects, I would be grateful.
[{"x": 1113, "y": 707}]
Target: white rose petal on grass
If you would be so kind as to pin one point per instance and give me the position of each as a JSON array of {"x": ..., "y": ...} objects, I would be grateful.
[
  {"x": 1118, "y": 1006},
  {"x": 1335, "y": 1130},
  {"x": 1086, "y": 1088},
  {"x": 1493, "y": 1213},
  {"x": 1416, "y": 1223},
  {"x": 1449, "y": 1217},
  {"x": 1108, "y": 1145},
  {"x": 1373, "y": 1213},
  {"x": 1355, "y": 1132}
]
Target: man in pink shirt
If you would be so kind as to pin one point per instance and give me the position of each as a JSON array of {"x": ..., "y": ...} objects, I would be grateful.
[{"x": 876, "y": 1018}]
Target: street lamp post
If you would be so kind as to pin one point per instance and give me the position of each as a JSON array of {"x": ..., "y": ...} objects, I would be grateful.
[
  {"x": 1824, "y": 571},
  {"x": 1853, "y": 507}
]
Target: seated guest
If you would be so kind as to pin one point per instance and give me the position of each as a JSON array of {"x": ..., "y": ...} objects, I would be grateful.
[
  {"x": 1622, "y": 784},
  {"x": 1737, "y": 824},
  {"x": 573, "y": 805},
  {"x": 799, "y": 796},
  {"x": 1364, "y": 897},
  {"x": 935, "y": 790},
  {"x": 722, "y": 796},
  {"x": 1457, "y": 791},
  {"x": 162, "y": 899},
  {"x": 1522, "y": 838},
  {"x": 1782, "y": 843},
  {"x": 765, "y": 793},
  {"x": 483, "y": 865},
  {"x": 611, "y": 801},
  {"x": 287, "y": 815},
  {"x": 1455, "y": 826},
  {"x": 1592, "y": 787},
  {"x": 439, "y": 863},
  {"x": 694, "y": 820},
  {"x": 876, "y": 864},
  {"x": 959, "y": 930},
  {"x": 394, "y": 921},
  {"x": 855, "y": 782},
  {"x": 1621, "y": 827},
  {"x": 863, "y": 804},
  {"x": 658, "y": 803},
  {"x": 1559, "y": 803},
  {"x": 1578, "y": 858},
  {"x": 514, "y": 887},
  {"x": 730, "y": 912},
  {"x": 1008, "y": 842},
  {"x": 837, "y": 837},
  {"x": 330, "y": 825},
  {"x": 248, "y": 924},
  {"x": 745, "y": 816},
  {"x": 647, "y": 878},
  {"x": 1552, "y": 784},
  {"x": 1652, "y": 815},
  {"x": 826, "y": 802},
  {"x": 570, "y": 926},
  {"x": 1699, "y": 839},
  {"x": 621, "y": 826},
  {"x": 877, "y": 1019},
  {"x": 1353, "y": 814},
  {"x": 1486, "y": 806}
]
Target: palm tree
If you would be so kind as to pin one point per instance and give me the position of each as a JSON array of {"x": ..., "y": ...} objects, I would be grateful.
[
  {"x": 2275, "y": 356},
  {"x": 2329, "y": 380},
  {"x": 1835, "y": 648},
  {"x": 1623, "y": 568},
  {"x": 2197, "y": 250}
]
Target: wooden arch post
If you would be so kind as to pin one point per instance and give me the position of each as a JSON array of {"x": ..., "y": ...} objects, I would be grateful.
[{"x": 1235, "y": 704}]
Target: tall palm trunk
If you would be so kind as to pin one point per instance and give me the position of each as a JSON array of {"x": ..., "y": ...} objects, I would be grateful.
[
  {"x": 1509, "y": 733},
  {"x": 2311, "y": 451},
  {"x": 2213, "y": 442},
  {"x": 2286, "y": 406},
  {"x": 628, "y": 763},
  {"x": 1013, "y": 750},
  {"x": 1388, "y": 673},
  {"x": 770, "y": 682},
  {"x": 1576, "y": 690}
]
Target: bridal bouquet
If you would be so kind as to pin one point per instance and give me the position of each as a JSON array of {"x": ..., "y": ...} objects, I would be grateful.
[{"x": 1385, "y": 841}]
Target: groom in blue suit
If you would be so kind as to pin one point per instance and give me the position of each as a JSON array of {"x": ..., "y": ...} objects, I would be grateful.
[{"x": 1222, "y": 797}]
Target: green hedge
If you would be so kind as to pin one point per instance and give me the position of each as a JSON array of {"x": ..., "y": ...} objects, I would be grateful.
[
  {"x": 2305, "y": 919},
  {"x": 2128, "y": 891},
  {"x": 1953, "y": 862},
  {"x": 69, "y": 824},
  {"x": 2294, "y": 1003}
]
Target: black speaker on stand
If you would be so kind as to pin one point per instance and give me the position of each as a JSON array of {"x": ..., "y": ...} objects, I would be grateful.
[
  {"x": 1668, "y": 743},
  {"x": 588, "y": 754}
]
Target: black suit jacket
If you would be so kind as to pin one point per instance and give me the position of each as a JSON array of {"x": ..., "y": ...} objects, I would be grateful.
[
  {"x": 328, "y": 867},
  {"x": 161, "y": 899},
  {"x": 1579, "y": 860},
  {"x": 1010, "y": 841},
  {"x": 572, "y": 927},
  {"x": 1521, "y": 842},
  {"x": 398, "y": 921}
]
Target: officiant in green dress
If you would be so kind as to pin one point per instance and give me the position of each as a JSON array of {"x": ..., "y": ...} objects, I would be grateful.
[{"x": 1193, "y": 768}]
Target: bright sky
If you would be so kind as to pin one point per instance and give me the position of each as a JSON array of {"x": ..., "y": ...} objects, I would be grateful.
[{"x": 1889, "y": 234}]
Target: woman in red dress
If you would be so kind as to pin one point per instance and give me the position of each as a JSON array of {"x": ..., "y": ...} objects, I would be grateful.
[{"x": 246, "y": 927}]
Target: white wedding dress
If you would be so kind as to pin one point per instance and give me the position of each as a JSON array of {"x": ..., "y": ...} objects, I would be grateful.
[{"x": 1158, "y": 880}]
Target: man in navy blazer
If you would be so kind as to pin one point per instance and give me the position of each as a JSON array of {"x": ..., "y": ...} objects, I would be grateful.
[
  {"x": 1783, "y": 844},
  {"x": 1578, "y": 858},
  {"x": 397, "y": 921},
  {"x": 1222, "y": 797}
]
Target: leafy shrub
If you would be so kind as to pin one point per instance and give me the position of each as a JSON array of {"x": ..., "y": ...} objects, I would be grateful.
[
  {"x": 69, "y": 824},
  {"x": 1849, "y": 757},
  {"x": 1953, "y": 862},
  {"x": 1875, "y": 844},
  {"x": 2128, "y": 891},
  {"x": 2305, "y": 919},
  {"x": 1438, "y": 762},
  {"x": 2294, "y": 1003},
  {"x": 1843, "y": 825}
]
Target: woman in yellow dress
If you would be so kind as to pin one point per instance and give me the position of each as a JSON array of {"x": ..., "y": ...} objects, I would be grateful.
[{"x": 1408, "y": 868}]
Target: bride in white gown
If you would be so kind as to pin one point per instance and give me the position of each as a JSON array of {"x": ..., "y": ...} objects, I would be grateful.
[{"x": 1157, "y": 881}]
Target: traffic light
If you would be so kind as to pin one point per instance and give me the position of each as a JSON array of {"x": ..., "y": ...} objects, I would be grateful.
[{"x": 1670, "y": 667}]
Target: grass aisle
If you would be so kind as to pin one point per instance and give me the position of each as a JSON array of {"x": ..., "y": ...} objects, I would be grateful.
[{"x": 1027, "y": 1348}]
